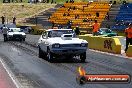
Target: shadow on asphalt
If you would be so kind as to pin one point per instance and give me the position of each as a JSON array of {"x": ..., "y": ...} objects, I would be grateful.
[
  {"x": 65, "y": 60},
  {"x": 15, "y": 40}
]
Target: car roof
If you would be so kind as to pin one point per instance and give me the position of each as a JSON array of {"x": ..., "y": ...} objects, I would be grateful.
[{"x": 57, "y": 29}]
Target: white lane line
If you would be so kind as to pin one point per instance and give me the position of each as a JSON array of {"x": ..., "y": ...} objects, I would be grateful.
[{"x": 11, "y": 75}]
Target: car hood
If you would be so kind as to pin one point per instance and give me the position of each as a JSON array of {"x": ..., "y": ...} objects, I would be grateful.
[
  {"x": 62, "y": 41},
  {"x": 21, "y": 33}
]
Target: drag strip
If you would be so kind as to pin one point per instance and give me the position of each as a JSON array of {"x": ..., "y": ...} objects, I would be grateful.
[
  {"x": 102, "y": 62},
  {"x": 34, "y": 72},
  {"x": 39, "y": 73}
]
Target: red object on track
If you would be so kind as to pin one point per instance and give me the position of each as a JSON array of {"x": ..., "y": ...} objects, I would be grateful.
[{"x": 5, "y": 80}]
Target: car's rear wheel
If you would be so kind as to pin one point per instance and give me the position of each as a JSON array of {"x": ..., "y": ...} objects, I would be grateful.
[
  {"x": 49, "y": 55},
  {"x": 83, "y": 57}
]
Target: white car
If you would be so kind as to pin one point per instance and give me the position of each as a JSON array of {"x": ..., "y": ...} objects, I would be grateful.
[
  {"x": 16, "y": 33},
  {"x": 61, "y": 42}
]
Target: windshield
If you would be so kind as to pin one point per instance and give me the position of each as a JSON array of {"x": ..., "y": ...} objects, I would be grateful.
[
  {"x": 58, "y": 33},
  {"x": 15, "y": 30}
]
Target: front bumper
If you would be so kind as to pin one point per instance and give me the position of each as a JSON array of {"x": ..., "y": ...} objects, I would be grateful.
[
  {"x": 16, "y": 37},
  {"x": 68, "y": 51}
]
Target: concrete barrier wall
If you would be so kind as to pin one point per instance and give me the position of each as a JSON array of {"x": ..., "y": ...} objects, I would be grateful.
[
  {"x": 106, "y": 44},
  {"x": 129, "y": 51}
]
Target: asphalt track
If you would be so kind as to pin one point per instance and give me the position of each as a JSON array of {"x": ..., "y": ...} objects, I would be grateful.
[{"x": 33, "y": 72}]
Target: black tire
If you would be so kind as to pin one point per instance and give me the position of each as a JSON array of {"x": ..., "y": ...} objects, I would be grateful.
[
  {"x": 40, "y": 53},
  {"x": 7, "y": 39},
  {"x": 49, "y": 56},
  {"x": 12, "y": 39},
  {"x": 83, "y": 57},
  {"x": 81, "y": 80},
  {"x": 23, "y": 39},
  {"x": 20, "y": 40}
]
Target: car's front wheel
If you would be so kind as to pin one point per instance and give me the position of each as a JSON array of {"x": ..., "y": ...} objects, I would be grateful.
[
  {"x": 40, "y": 53},
  {"x": 83, "y": 57},
  {"x": 49, "y": 55},
  {"x": 23, "y": 39},
  {"x": 20, "y": 39},
  {"x": 7, "y": 39},
  {"x": 81, "y": 80}
]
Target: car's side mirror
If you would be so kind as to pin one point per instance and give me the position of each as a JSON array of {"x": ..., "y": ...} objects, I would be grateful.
[{"x": 44, "y": 36}]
